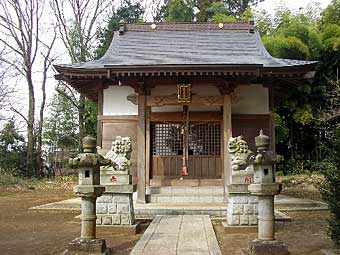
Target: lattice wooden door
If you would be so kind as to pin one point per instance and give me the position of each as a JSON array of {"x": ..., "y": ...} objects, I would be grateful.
[{"x": 204, "y": 150}]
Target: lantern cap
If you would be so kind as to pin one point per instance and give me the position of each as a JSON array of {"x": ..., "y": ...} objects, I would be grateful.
[
  {"x": 89, "y": 144},
  {"x": 262, "y": 141}
]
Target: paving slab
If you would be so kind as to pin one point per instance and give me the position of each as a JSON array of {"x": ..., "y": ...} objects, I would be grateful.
[{"x": 179, "y": 235}]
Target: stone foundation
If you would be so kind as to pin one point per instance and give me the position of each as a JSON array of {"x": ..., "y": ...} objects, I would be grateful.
[
  {"x": 85, "y": 247},
  {"x": 260, "y": 247},
  {"x": 242, "y": 209},
  {"x": 115, "y": 209}
]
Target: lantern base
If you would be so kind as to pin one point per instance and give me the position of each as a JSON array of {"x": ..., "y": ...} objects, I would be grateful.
[
  {"x": 85, "y": 247},
  {"x": 261, "y": 247}
]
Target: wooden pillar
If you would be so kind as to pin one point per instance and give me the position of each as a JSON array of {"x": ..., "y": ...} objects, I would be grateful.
[
  {"x": 147, "y": 147},
  {"x": 272, "y": 123},
  {"x": 227, "y": 133},
  {"x": 141, "y": 149},
  {"x": 100, "y": 106}
]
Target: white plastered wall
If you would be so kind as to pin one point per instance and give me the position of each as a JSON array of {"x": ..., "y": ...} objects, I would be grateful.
[
  {"x": 115, "y": 101},
  {"x": 251, "y": 99}
]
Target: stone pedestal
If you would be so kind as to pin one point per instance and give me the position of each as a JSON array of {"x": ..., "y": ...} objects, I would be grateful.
[
  {"x": 242, "y": 208},
  {"x": 115, "y": 206},
  {"x": 85, "y": 247},
  {"x": 262, "y": 247}
]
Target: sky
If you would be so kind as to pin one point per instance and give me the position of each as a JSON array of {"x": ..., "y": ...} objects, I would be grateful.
[{"x": 269, "y": 5}]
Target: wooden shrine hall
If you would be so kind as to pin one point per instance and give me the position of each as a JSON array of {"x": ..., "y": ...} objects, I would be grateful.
[{"x": 180, "y": 90}]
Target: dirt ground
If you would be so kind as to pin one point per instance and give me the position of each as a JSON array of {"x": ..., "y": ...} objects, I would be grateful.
[
  {"x": 25, "y": 231},
  {"x": 306, "y": 234}
]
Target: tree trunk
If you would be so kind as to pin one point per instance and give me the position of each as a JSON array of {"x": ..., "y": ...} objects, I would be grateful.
[
  {"x": 81, "y": 112},
  {"x": 39, "y": 169},
  {"x": 30, "y": 129}
]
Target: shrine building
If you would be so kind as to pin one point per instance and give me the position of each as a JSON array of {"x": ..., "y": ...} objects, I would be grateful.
[{"x": 180, "y": 90}]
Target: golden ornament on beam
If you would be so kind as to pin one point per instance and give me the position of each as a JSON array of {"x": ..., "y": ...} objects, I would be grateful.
[{"x": 184, "y": 93}]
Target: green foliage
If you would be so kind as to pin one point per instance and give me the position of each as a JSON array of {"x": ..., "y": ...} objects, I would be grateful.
[
  {"x": 263, "y": 22},
  {"x": 12, "y": 150},
  {"x": 218, "y": 9},
  {"x": 330, "y": 192},
  {"x": 238, "y": 8},
  {"x": 61, "y": 127},
  {"x": 331, "y": 38},
  {"x": 90, "y": 118},
  {"x": 247, "y": 14},
  {"x": 179, "y": 11},
  {"x": 220, "y": 17},
  {"x": 207, "y": 9},
  {"x": 128, "y": 12},
  {"x": 286, "y": 47},
  {"x": 331, "y": 15},
  {"x": 303, "y": 115}
]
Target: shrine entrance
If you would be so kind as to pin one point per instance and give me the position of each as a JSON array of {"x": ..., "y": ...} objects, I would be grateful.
[{"x": 198, "y": 150}]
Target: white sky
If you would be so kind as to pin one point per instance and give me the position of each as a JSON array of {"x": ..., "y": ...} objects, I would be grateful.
[{"x": 269, "y": 5}]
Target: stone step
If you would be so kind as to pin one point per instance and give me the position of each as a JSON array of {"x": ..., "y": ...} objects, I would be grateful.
[
  {"x": 178, "y": 181},
  {"x": 194, "y": 198},
  {"x": 200, "y": 190},
  {"x": 150, "y": 210}
]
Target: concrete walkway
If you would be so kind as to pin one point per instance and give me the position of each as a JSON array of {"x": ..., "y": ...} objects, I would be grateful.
[{"x": 178, "y": 235}]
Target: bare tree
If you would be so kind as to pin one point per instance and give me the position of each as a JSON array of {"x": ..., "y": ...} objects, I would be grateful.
[
  {"x": 6, "y": 91},
  {"x": 20, "y": 24},
  {"x": 77, "y": 23}
]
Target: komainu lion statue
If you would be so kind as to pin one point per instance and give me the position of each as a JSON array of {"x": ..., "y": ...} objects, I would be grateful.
[
  {"x": 120, "y": 154},
  {"x": 240, "y": 154}
]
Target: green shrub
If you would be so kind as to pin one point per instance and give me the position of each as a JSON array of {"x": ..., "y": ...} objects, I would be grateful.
[{"x": 330, "y": 192}]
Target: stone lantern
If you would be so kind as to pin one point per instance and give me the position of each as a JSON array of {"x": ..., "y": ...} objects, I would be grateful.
[
  {"x": 265, "y": 188},
  {"x": 88, "y": 165}
]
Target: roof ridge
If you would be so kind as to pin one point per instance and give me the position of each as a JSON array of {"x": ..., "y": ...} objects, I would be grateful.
[{"x": 149, "y": 26}]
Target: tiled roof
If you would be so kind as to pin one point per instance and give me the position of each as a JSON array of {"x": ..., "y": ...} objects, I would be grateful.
[{"x": 187, "y": 44}]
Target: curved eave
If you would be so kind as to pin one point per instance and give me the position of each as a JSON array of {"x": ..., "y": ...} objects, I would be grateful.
[{"x": 112, "y": 71}]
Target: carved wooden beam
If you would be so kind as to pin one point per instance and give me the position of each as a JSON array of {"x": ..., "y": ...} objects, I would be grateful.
[{"x": 196, "y": 100}]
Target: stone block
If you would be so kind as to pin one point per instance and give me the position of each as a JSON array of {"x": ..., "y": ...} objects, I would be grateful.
[
  {"x": 120, "y": 199},
  {"x": 233, "y": 220},
  {"x": 256, "y": 209},
  {"x": 123, "y": 208},
  {"x": 249, "y": 209},
  {"x": 253, "y": 219},
  {"x": 259, "y": 247},
  {"x": 238, "y": 209},
  {"x": 99, "y": 220},
  {"x": 116, "y": 219},
  {"x": 244, "y": 220},
  {"x": 238, "y": 199},
  {"x": 82, "y": 246},
  {"x": 125, "y": 219},
  {"x": 101, "y": 208},
  {"x": 104, "y": 199},
  {"x": 107, "y": 220},
  {"x": 112, "y": 208},
  {"x": 253, "y": 200}
]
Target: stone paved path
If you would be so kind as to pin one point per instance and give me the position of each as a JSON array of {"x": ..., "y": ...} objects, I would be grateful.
[{"x": 178, "y": 235}]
